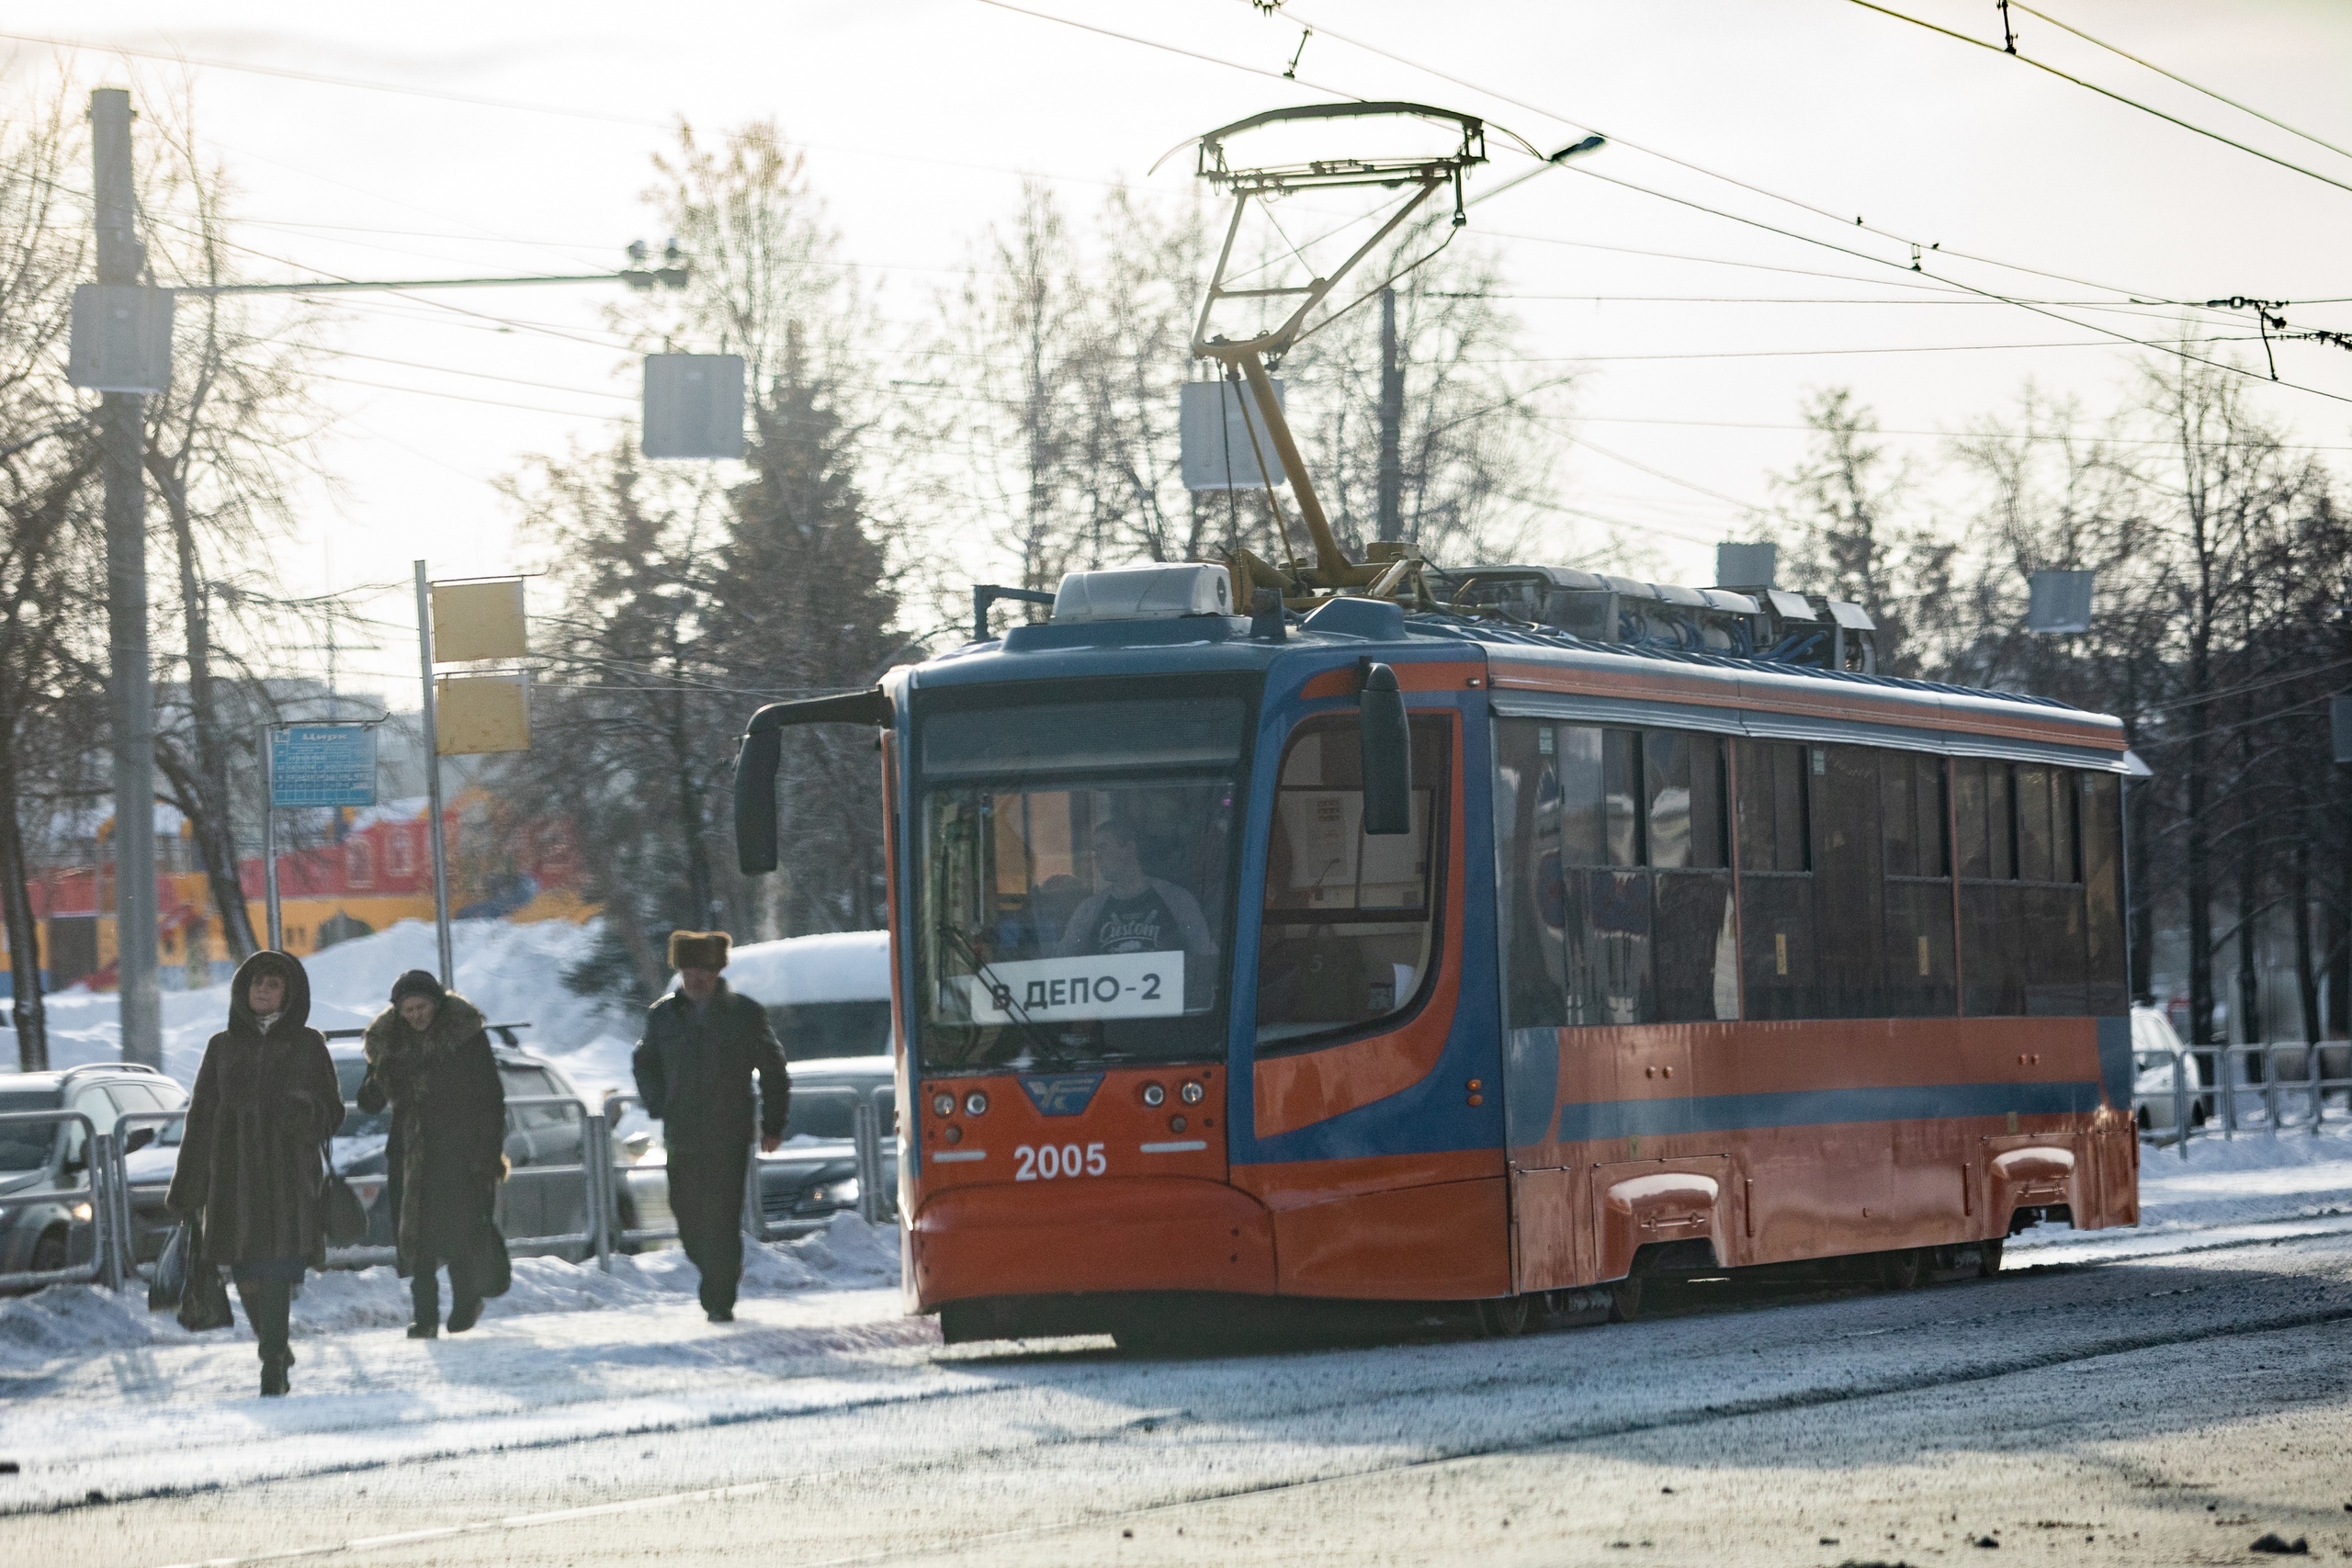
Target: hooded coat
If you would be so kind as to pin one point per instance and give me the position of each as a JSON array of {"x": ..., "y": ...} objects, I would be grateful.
[
  {"x": 447, "y": 1150},
  {"x": 249, "y": 1166}
]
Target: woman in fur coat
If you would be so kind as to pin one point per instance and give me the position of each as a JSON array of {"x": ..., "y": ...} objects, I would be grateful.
[
  {"x": 251, "y": 1175},
  {"x": 429, "y": 1058}
]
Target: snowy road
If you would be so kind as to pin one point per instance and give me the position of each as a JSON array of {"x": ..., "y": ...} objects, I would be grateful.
[{"x": 2171, "y": 1405}]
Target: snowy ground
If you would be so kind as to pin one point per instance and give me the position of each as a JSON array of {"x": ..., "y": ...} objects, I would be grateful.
[
  {"x": 512, "y": 972},
  {"x": 2168, "y": 1410}
]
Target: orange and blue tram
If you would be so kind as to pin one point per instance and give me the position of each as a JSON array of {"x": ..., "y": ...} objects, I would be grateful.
[{"x": 1423, "y": 957}]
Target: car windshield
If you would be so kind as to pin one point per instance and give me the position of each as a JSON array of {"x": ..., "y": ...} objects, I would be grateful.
[
  {"x": 349, "y": 1072},
  {"x": 26, "y": 1146},
  {"x": 1076, "y": 865}
]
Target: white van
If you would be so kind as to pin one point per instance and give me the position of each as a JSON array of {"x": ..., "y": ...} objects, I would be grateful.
[{"x": 828, "y": 996}]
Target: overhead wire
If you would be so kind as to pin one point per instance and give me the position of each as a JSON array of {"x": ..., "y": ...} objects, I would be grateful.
[
  {"x": 359, "y": 84},
  {"x": 2024, "y": 305},
  {"x": 1799, "y": 202},
  {"x": 1699, "y": 207},
  {"x": 2124, "y": 99},
  {"x": 2175, "y": 76}
]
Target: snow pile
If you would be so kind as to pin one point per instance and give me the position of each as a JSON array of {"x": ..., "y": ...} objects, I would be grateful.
[
  {"x": 77, "y": 1319},
  {"x": 2252, "y": 1178},
  {"x": 513, "y": 972},
  {"x": 66, "y": 1320}
]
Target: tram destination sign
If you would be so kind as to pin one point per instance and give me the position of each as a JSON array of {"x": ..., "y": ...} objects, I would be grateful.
[
  {"x": 1049, "y": 990},
  {"x": 322, "y": 764}
]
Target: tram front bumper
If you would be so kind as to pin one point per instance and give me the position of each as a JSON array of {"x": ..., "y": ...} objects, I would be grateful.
[{"x": 1106, "y": 1233}]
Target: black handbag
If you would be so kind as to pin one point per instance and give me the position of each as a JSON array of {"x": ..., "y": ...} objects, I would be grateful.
[
  {"x": 493, "y": 1270},
  {"x": 204, "y": 1299},
  {"x": 346, "y": 1216},
  {"x": 169, "y": 1279}
]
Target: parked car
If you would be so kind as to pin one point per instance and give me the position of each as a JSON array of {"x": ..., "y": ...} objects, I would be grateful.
[
  {"x": 2154, "y": 1050},
  {"x": 538, "y": 1137},
  {"x": 39, "y": 1233}
]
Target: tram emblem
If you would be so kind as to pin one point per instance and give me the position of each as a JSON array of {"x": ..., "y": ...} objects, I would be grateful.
[{"x": 1061, "y": 1094}]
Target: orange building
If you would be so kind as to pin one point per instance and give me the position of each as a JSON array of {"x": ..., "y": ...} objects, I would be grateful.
[{"x": 376, "y": 871}]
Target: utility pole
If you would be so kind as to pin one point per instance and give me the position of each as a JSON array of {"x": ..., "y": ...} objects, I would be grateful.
[
  {"x": 432, "y": 834},
  {"x": 123, "y": 436},
  {"x": 1392, "y": 421}
]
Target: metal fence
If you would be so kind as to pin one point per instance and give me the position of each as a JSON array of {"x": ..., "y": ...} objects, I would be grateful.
[
  {"x": 2272, "y": 1088},
  {"x": 563, "y": 1196}
]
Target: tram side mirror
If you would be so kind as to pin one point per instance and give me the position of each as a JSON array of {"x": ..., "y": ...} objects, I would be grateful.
[
  {"x": 1387, "y": 753},
  {"x": 756, "y": 766},
  {"x": 762, "y": 752}
]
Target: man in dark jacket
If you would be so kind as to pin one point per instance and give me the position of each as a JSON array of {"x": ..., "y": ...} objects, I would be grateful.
[{"x": 693, "y": 1067}]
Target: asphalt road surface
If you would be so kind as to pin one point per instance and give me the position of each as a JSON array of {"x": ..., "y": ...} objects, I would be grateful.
[{"x": 2171, "y": 1407}]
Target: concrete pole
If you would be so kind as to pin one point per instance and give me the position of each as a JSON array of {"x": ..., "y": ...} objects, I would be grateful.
[
  {"x": 122, "y": 425},
  {"x": 433, "y": 835},
  {"x": 1392, "y": 421}
]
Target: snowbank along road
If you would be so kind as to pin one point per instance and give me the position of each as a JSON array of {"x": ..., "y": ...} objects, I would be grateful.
[{"x": 2172, "y": 1397}]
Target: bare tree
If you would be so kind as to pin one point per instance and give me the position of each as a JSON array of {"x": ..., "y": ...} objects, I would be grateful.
[{"x": 50, "y": 601}]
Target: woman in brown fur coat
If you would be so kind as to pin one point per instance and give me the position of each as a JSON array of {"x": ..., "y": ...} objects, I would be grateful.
[{"x": 429, "y": 1058}]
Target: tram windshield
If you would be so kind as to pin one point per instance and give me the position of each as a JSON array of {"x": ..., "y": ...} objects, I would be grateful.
[{"x": 1076, "y": 865}]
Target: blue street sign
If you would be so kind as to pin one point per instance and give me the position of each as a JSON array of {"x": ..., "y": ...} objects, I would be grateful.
[{"x": 322, "y": 764}]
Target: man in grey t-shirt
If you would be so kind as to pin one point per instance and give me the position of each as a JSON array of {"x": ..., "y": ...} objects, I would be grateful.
[{"x": 1132, "y": 912}]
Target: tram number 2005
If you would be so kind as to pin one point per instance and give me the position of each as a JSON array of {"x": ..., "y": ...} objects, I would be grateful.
[{"x": 1046, "y": 1161}]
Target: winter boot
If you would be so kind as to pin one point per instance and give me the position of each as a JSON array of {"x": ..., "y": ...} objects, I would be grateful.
[
  {"x": 464, "y": 1313},
  {"x": 273, "y": 1378}
]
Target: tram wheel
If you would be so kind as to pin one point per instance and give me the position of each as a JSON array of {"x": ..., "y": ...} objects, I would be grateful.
[
  {"x": 1988, "y": 1257},
  {"x": 1506, "y": 1317},
  {"x": 1899, "y": 1270},
  {"x": 1625, "y": 1300}
]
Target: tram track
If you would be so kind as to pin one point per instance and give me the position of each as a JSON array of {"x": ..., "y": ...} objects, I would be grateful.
[
  {"x": 1128, "y": 1442},
  {"x": 1764, "y": 1298},
  {"x": 1563, "y": 1436}
]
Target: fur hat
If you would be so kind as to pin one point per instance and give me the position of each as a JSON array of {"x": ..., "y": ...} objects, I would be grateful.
[
  {"x": 417, "y": 983},
  {"x": 699, "y": 950}
]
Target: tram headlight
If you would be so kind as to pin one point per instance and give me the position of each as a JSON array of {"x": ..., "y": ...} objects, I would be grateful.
[
  {"x": 943, "y": 1104},
  {"x": 1153, "y": 1095},
  {"x": 976, "y": 1103},
  {"x": 1193, "y": 1093}
]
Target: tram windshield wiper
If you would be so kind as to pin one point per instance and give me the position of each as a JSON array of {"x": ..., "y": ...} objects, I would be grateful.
[{"x": 1045, "y": 1050}]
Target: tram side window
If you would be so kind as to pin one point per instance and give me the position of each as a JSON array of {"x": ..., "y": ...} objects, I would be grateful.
[
  {"x": 2049, "y": 889},
  {"x": 1613, "y": 876},
  {"x": 2025, "y": 944},
  {"x": 1349, "y": 919},
  {"x": 1694, "y": 941},
  {"x": 1919, "y": 949},
  {"x": 1848, "y": 916},
  {"x": 2106, "y": 984},
  {"x": 1527, "y": 892},
  {"x": 1776, "y": 877}
]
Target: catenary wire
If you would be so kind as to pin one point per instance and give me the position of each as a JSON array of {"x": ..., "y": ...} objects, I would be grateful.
[
  {"x": 2175, "y": 76},
  {"x": 2107, "y": 93}
]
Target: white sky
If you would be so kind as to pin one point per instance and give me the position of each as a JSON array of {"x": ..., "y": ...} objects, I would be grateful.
[{"x": 919, "y": 117}]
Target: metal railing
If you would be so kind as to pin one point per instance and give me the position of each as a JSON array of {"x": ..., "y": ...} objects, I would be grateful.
[
  {"x": 2293, "y": 1091},
  {"x": 535, "y": 1180},
  {"x": 125, "y": 1192},
  {"x": 112, "y": 1199},
  {"x": 93, "y": 1196}
]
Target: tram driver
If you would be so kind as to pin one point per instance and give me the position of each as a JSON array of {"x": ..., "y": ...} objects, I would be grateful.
[{"x": 1130, "y": 912}]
